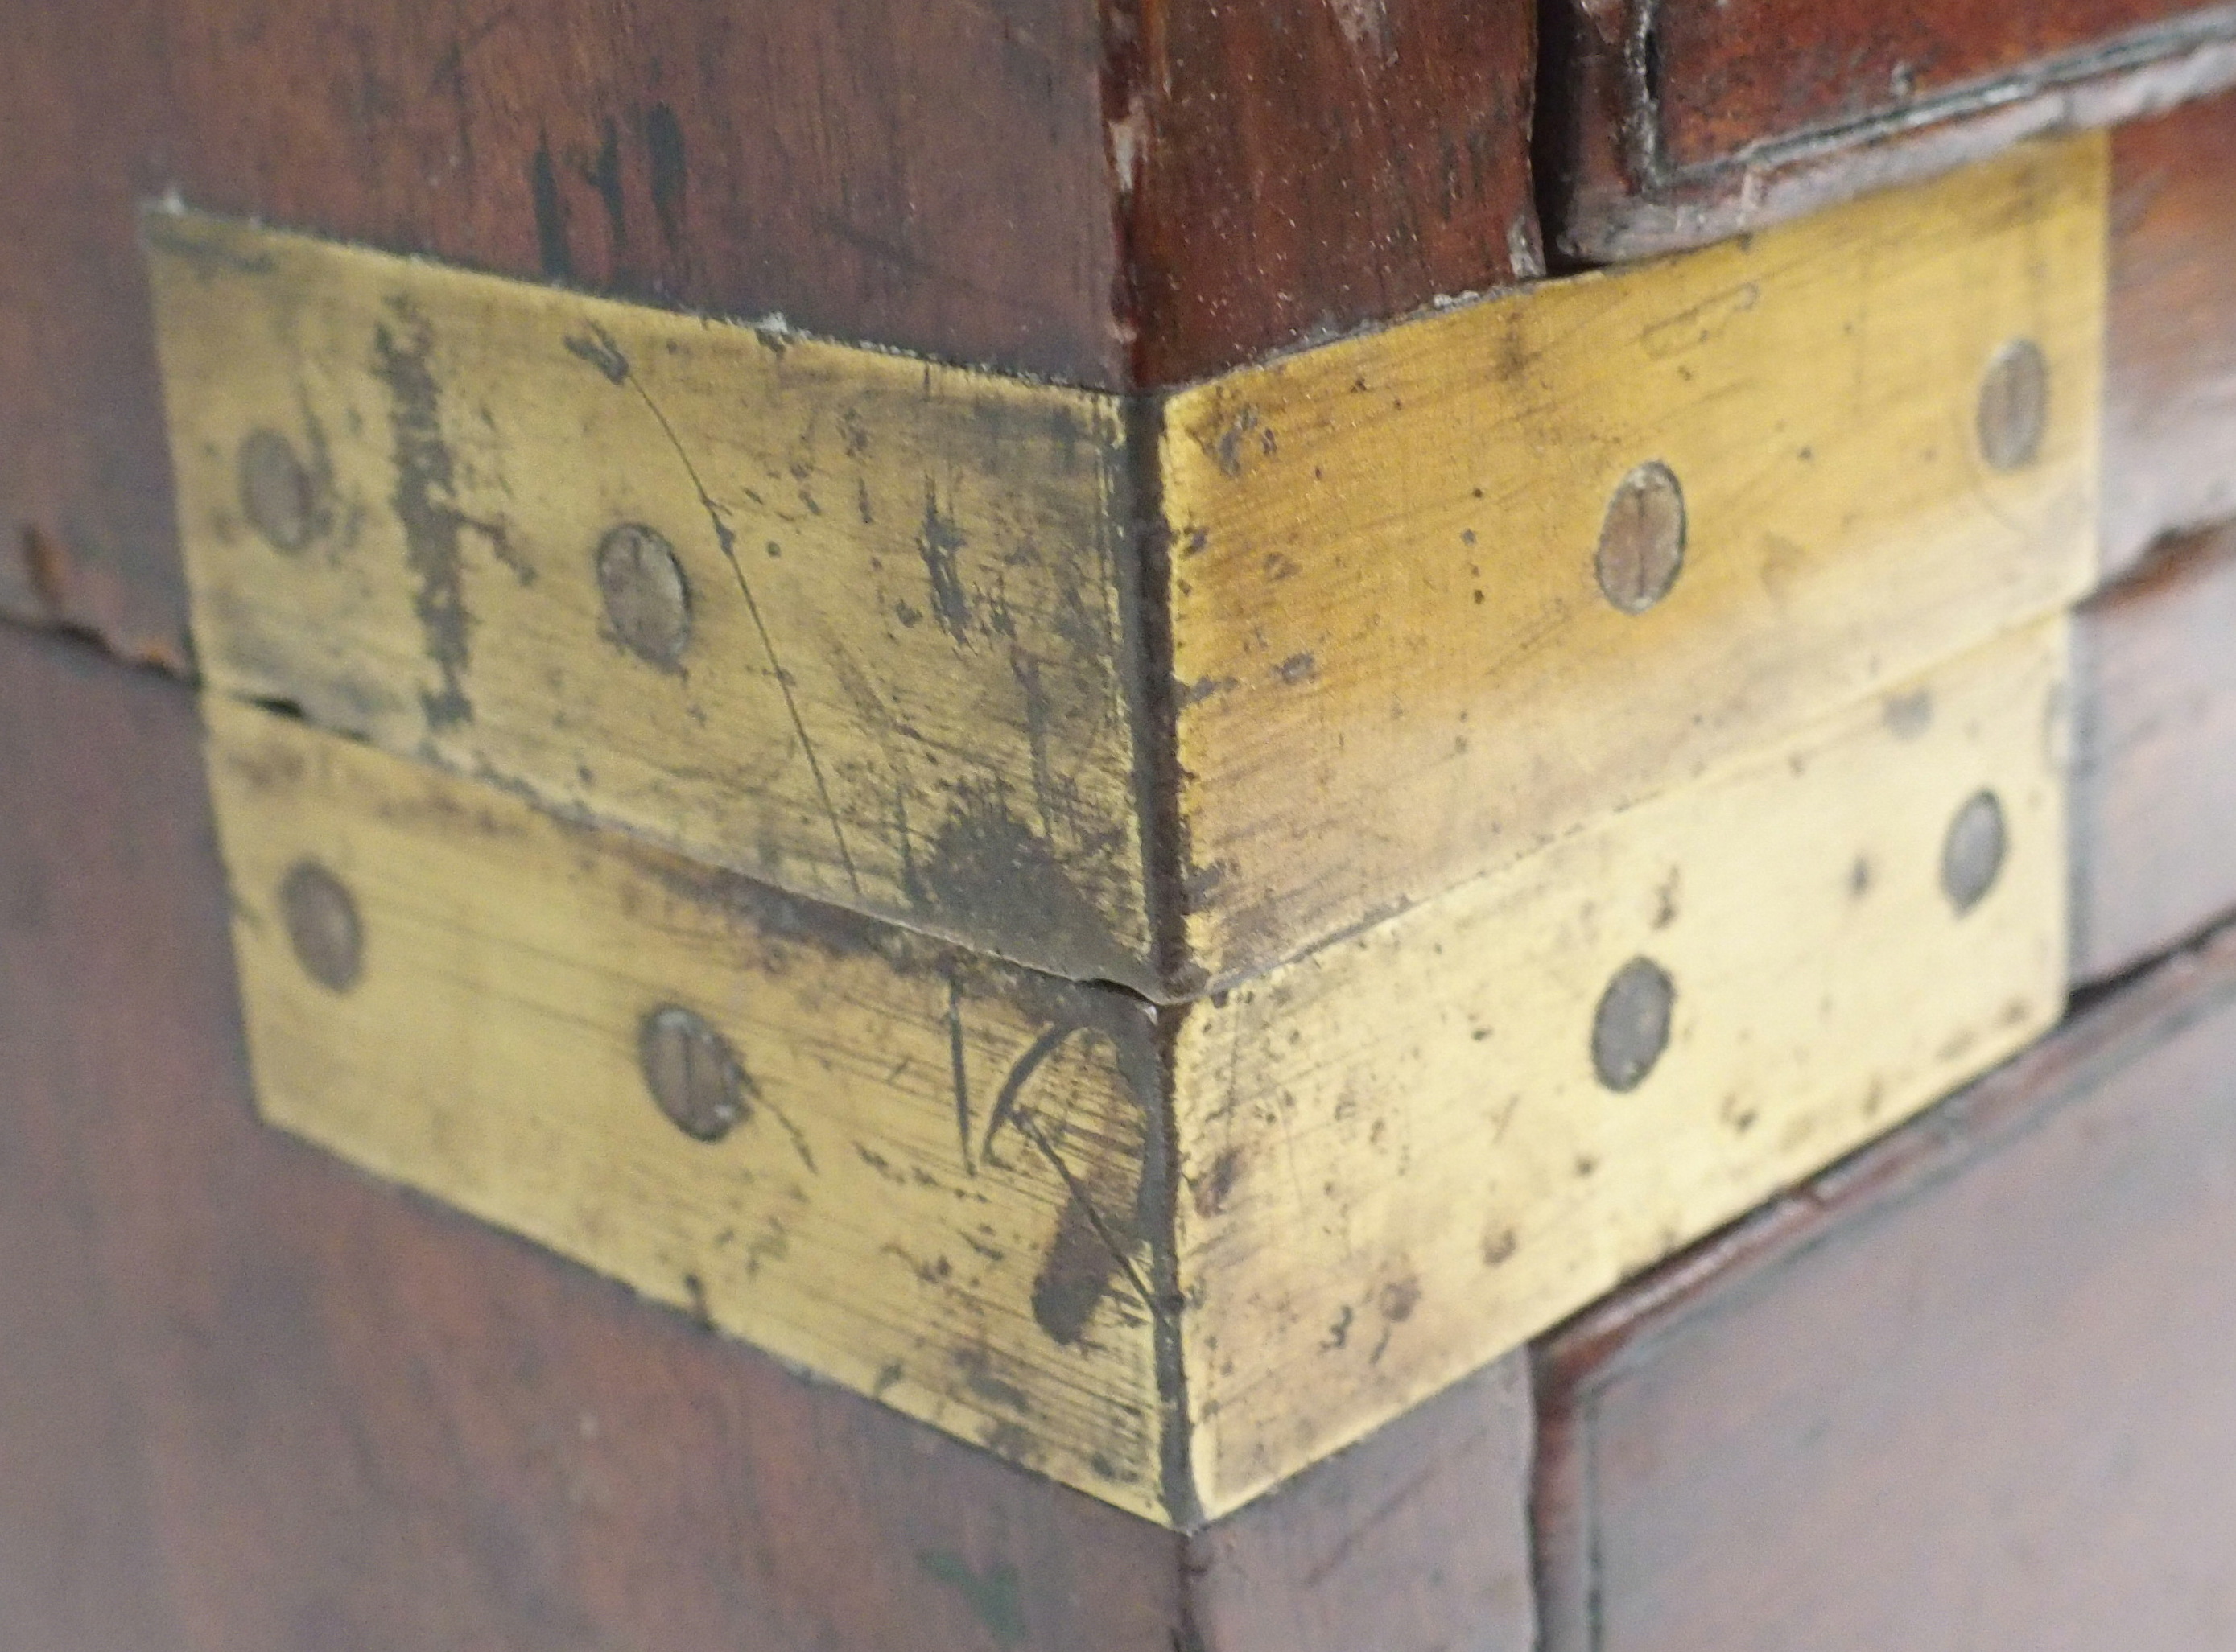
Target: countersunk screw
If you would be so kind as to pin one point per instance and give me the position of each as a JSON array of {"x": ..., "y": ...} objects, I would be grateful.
[
  {"x": 1631, "y": 1027},
  {"x": 322, "y": 925},
  {"x": 2014, "y": 413},
  {"x": 1972, "y": 853},
  {"x": 276, "y": 493},
  {"x": 648, "y": 599},
  {"x": 693, "y": 1073},
  {"x": 1642, "y": 538}
]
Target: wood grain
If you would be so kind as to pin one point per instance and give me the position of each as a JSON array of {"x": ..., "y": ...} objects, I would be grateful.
[
  {"x": 2154, "y": 773},
  {"x": 1734, "y": 74},
  {"x": 1968, "y": 1390},
  {"x": 1667, "y": 124},
  {"x": 1394, "y": 667},
  {"x": 905, "y": 678},
  {"x": 1289, "y": 173},
  {"x": 1396, "y": 1160},
  {"x": 939, "y": 1187},
  {"x": 2170, "y": 330}
]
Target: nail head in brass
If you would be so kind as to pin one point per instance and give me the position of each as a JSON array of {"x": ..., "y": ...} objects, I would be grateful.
[
  {"x": 648, "y": 599},
  {"x": 277, "y": 493},
  {"x": 692, "y": 1072},
  {"x": 323, "y": 926},
  {"x": 1641, "y": 547},
  {"x": 2014, "y": 413},
  {"x": 1972, "y": 853},
  {"x": 1631, "y": 1028}
]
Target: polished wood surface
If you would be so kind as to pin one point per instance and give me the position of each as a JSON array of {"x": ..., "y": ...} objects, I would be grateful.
[
  {"x": 1294, "y": 171},
  {"x": 1733, "y": 73},
  {"x": 1965, "y": 1390},
  {"x": 1969, "y": 1390},
  {"x": 1668, "y": 123}
]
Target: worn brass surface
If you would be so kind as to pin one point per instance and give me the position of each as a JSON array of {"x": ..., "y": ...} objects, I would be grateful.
[{"x": 1160, "y": 694}]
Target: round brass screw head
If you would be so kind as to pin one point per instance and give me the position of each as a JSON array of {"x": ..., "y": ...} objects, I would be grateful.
[
  {"x": 2014, "y": 413},
  {"x": 647, "y": 600},
  {"x": 277, "y": 493},
  {"x": 322, "y": 925},
  {"x": 1642, "y": 538},
  {"x": 1972, "y": 853},
  {"x": 692, "y": 1072},
  {"x": 1631, "y": 1027}
]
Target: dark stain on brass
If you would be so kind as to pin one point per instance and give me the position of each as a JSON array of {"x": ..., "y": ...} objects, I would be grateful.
[
  {"x": 425, "y": 502},
  {"x": 941, "y": 543},
  {"x": 2014, "y": 413},
  {"x": 693, "y": 1074},
  {"x": 1972, "y": 853},
  {"x": 648, "y": 598},
  {"x": 1076, "y": 1275},
  {"x": 1631, "y": 1027},
  {"x": 323, "y": 926},
  {"x": 1910, "y": 716},
  {"x": 1642, "y": 538},
  {"x": 276, "y": 493}
]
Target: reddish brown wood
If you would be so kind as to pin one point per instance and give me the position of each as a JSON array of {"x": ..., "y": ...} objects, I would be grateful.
[
  {"x": 1969, "y": 1390},
  {"x": 2154, "y": 782},
  {"x": 252, "y": 1399},
  {"x": 2170, "y": 341},
  {"x": 940, "y": 175},
  {"x": 1300, "y": 170},
  {"x": 1416, "y": 1541},
  {"x": 1669, "y": 123},
  {"x": 1738, "y": 72}
]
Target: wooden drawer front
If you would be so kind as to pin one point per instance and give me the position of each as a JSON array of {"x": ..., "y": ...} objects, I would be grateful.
[
  {"x": 1672, "y": 123},
  {"x": 1734, "y": 73},
  {"x": 1971, "y": 1390}
]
